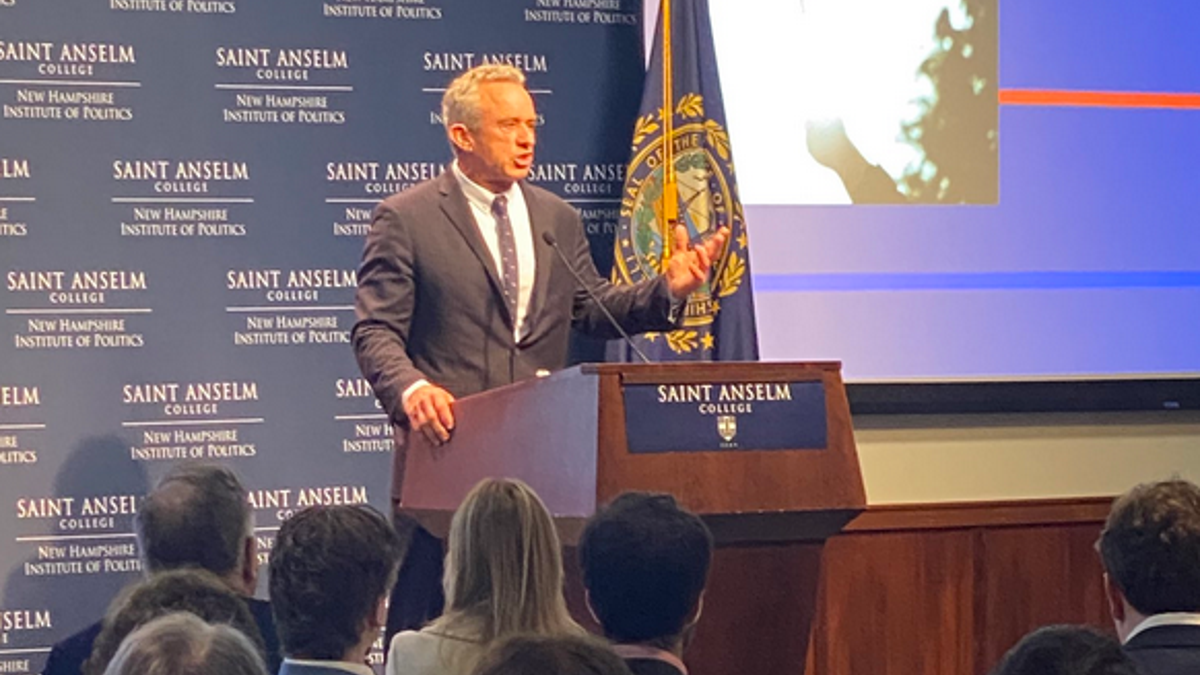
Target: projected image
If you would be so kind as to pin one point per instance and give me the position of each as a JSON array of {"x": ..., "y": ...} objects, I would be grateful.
[{"x": 918, "y": 125}]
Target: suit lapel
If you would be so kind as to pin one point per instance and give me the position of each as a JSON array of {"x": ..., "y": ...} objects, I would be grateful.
[
  {"x": 454, "y": 205},
  {"x": 539, "y": 223}
]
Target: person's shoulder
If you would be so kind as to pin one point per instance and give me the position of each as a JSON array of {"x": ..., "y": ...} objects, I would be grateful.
[
  {"x": 428, "y": 651},
  {"x": 84, "y": 637},
  {"x": 414, "y": 640},
  {"x": 544, "y": 199},
  {"x": 431, "y": 638},
  {"x": 420, "y": 195},
  {"x": 67, "y": 655}
]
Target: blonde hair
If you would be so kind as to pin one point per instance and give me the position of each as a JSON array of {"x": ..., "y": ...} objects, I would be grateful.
[
  {"x": 460, "y": 103},
  {"x": 504, "y": 572}
]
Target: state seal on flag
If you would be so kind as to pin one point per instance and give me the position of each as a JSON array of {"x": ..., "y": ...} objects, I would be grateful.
[{"x": 707, "y": 201}]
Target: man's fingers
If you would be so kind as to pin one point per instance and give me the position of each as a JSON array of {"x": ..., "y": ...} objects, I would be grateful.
[
  {"x": 681, "y": 239},
  {"x": 431, "y": 413},
  {"x": 440, "y": 435},
  {"x": 443, "y": 412},
  {"x": 426, "y": 419},
  {"x": 703, "y": 258},
  {"x": 714, "y": 245},
  {"x": 430, "y": 435},
  {"x": 413, "y": 412}
]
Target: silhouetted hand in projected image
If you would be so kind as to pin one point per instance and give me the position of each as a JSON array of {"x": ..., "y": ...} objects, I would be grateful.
[
  {"x": 830, "y": 146},
  {"x": 955, "y": 132},
  {"x": 865, "y": 183}
]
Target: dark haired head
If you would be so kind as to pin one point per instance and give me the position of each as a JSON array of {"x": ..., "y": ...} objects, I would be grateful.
[
  {"x": 645, "y": 562},
  {"x": 197, "y": 516},
  {"x": 544, "y": 655},
  {"x": 1066, "y": 650},
  {"x": 330, "y": 568},
  {"x": 194, "y": 591},
  {"x": 1150, "y": 547}
]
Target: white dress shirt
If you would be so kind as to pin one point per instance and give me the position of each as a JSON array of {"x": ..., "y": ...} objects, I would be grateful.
[
  {"x": 480, "y": 199},
  {"x": 1164, "y": 619}
]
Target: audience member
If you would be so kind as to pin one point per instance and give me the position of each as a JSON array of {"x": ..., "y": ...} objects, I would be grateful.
[
  {"x": 332, "y": 570},
  {"x": 645, "y": 562},
  {"x": 197, "y": 516},
  {"x": 560, "y": 655},
  {"x": 195, "y": 591},
  {"x": 503, "y": 577},
  {"x": 1150, "y": 549},
  {"x": 1066, "y": 650},
  {"x": 182, "y": 644}
]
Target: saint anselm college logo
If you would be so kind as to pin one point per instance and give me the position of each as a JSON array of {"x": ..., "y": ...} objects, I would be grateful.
[{"x": 708, "y": 200}]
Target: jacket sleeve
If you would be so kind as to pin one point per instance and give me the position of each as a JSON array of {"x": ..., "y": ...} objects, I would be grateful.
[
  {"x": 384, "y": 306},
  {"x": 641, "y": 307}
]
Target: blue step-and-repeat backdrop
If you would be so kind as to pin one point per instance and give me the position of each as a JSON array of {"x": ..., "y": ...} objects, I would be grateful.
[{"x": 184, "y": 190}]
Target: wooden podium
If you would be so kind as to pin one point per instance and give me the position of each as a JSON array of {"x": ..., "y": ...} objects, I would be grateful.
[{"x": 770, "y": 510}]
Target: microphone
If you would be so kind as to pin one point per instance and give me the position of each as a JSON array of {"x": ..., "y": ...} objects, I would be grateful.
[{"x": 548, "y": 237}]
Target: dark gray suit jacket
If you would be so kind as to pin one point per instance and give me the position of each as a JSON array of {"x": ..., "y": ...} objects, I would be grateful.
[
  {"x": 67, "y": 656},
  {"x": 430, "y": 304},
  {"x": 1166, "y": 650}
]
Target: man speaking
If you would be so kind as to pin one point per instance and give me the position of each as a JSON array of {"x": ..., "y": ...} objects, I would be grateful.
[{"x": 460, "y": 289}]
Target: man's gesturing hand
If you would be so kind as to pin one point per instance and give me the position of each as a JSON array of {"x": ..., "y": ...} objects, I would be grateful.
[
  {"x": 689, "y": 266},
  {"x": 428, "y": 410}
]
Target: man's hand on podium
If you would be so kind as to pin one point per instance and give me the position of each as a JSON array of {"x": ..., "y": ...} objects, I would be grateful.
[{"x": 428, "y": 410}]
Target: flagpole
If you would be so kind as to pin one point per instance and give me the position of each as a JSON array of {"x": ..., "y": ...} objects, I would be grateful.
[{"x": 670, "y": 193}]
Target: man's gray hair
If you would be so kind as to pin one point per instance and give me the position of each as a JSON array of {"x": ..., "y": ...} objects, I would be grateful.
[
  {"x": 197, "y": 516},
  {"x": 182, "y": 644},
  {"x": 460, "y": 103}
]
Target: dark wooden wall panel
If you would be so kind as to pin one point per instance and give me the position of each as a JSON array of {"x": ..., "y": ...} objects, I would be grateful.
[
  {"x": 1037, "y": 576},
  {"x": 938, "y": 589},
  {"x": 893, "y": 604},
  {"x": 758, "y": 610}
]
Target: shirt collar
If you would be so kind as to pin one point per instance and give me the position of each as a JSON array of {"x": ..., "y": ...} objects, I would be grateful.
[
  {"x": 652, "y": 653},
  {"x": 1164, "y": 619},
  {"x": 480, "y": 196},
  {"x": 355, "y": 668}
]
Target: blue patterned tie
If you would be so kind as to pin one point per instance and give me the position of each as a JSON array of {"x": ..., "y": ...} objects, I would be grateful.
[{"x": 509, "y": 275}]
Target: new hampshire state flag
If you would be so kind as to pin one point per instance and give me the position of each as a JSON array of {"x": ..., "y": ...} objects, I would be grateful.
[{"x": 719, "y": 317}]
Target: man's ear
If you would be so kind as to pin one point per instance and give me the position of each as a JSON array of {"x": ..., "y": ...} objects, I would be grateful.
[
  {"x": 378, "y": 618},
  {"x": 250, "y": 565},
  {"x": 461, "y": 137},
  {"x": 587, "y": 600},
  {"x": 1115, "y": 597},
  {"x": 697, "y": 610}
]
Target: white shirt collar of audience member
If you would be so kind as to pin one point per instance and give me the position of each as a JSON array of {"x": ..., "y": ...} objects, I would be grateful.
[
  {"x": 652, "y": 653},
  {"x": 355, "y": 668},
  {"x": 1164, "y": 619}
]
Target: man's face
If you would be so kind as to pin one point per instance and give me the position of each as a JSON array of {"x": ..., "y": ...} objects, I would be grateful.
[{"x": 500, "y": 151}]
